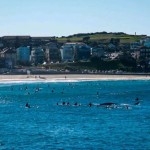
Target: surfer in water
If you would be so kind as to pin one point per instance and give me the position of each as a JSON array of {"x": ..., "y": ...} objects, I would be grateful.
[
  {"x": 68, "y": 104},
  {"x": 27, "y": 105},
  {"x": 137, "y": 101},
  {"x": 77, "y": 104},
  {"x": 63, "y": 103},
  {"x": 90, "y": 104}
]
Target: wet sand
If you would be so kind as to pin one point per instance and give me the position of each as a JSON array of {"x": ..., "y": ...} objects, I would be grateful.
[{"x": 70, "y": 77}]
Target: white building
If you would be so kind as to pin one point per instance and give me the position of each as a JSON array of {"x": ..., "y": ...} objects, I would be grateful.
[
  {"x": 71, "y": 52},
  {"x": 67, "y": 52},
  {"x": 37, "y": 56},
  {"x": 52, "y": 52},
  {"x": 8, "y": 55}
]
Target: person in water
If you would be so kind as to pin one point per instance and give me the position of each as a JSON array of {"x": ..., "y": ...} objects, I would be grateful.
[
  {"x": 75, "y": 104},
  {"x": 27, "y": 105},
  {"x": 90, "y": 104},
  {"x": 137, "y": 101},
  {"x": 68, "y": 103},
  {"x": 64, "y": 103}
]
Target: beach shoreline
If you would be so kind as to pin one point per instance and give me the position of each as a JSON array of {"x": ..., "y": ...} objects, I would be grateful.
[{"x": 69, "y": 77}]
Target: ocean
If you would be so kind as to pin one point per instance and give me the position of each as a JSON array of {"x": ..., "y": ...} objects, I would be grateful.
[{"x": 48, "y": 124}]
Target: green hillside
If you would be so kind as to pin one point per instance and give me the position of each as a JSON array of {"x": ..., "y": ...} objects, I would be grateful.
[{"x": 102, "y": 36}]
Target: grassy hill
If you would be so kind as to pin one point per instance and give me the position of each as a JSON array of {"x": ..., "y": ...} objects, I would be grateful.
[
  {"x": 102, "y": 36},
  {"x": 97, "y": 36}
]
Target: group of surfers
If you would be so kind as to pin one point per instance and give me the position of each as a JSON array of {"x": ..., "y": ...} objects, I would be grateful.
[{"x": 105, "y": 105}]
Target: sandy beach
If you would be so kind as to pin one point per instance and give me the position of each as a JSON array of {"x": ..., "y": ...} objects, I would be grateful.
[{"x": 69, "y": 77}]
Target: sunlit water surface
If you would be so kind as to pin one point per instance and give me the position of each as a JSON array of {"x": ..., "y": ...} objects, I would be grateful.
[{"x": 49, "y": 126}]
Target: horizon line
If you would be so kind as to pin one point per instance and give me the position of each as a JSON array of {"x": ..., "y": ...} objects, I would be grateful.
[{"x": 21, "y": 35}]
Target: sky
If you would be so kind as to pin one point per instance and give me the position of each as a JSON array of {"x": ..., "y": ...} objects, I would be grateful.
[{"x": 67, "y": 17}]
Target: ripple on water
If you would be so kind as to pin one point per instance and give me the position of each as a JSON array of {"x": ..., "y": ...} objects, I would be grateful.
[{"x": 48, "y": 126}]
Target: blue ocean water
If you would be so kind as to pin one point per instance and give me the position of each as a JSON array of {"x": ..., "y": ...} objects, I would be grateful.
[{"x": 47, "y": 125}]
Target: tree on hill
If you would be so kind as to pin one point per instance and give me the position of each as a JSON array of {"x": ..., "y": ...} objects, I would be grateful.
[
  {"x": 115, "y": 41},
  {"x": 86, "y": 39},
  {"x": 68, "y": 39},
  {"x": 127, "y": 60}
]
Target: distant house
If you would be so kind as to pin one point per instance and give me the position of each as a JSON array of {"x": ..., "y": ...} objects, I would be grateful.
[
  {"x": 135, "y": 54},
  {"x": 111, "y": 46},
  {"x": 8, "y": 55},
  {"x": 115, "y": 55},
  {"x": 135, "y": 45},
  {"x": 82, "y": 52},
  {"x": 145, "y": 41},
  {"x": 71, "y": 52},
  {"x": 68, "y": 52},
  {"x": 23, "y": 55},
  {"x": 52, "y": 52},
  {"x": 97, "y": 51},
  {"x": 1, "y": 44},
  {"x": 145, "y": 52},
  {"x": 16, "y": 41},
  {"x": 37, "y": 56}
]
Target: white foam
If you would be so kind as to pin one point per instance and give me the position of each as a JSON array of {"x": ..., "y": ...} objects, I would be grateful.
[
  {"x": 7, "y": 81},
  {"x": 39, "y": 81}
]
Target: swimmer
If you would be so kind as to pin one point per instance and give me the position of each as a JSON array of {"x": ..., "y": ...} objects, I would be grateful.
[
  {"x": 75, "y": 104},
  {"x": 137, "y": 103},
  {"x": 137, "y": 99},
  {"x": 27, "y": 105},
  {"x": 90, "y": 104},
  {"x": 63, "y": 103},
  {"x": 126, "y": 106}
]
